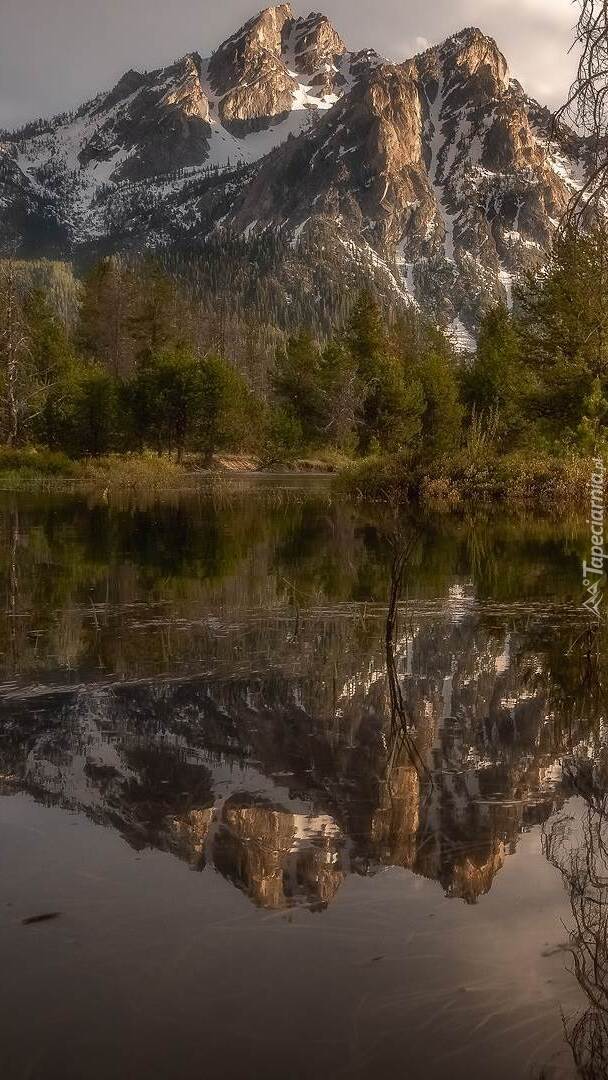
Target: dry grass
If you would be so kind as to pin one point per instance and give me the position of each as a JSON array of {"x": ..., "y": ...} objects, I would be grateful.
[
  {"x": 145, "y": 470},
  {"x": 532, "y": 481}
]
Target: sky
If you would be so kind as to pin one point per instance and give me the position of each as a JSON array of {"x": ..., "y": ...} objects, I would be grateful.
[{"x": 54, "y": 54}]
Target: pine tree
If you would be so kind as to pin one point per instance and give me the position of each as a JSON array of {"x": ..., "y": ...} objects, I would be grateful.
[
  {"x": 497, "y": 383},
  {"x": 81, "y": 414},
  {"x": 153, "y": 316},
  {"x": 340, "y": 396},
  {"x": 49, "y": 344},
  {"x": 296, "y": 380},
  {"x": 227, "y": 416},
  {"x": 564, "y": 332},
  {"x": 392, "y": 406},
  {"x": 103, "y": 332},
  {"x": 366, "y": 335}
]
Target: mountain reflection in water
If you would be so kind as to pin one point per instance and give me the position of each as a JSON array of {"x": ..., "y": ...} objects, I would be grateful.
[{"x": 207, "y": 677}]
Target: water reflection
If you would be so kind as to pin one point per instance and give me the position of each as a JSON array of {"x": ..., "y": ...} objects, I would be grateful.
[
  {"x": 290, "y": 695},
  {"x": 576, "y": 843},
  {"x": 94, "y": 591},
  {"x": 209, "y": 678}
]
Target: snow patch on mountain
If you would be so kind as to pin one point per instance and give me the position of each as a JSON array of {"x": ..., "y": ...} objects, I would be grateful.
[{"x": 435, "y": 173}]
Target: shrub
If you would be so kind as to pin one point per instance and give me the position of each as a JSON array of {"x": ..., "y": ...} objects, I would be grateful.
[
  {"x": 34, "y": 462},
  {"x": 381, "y": 478}
]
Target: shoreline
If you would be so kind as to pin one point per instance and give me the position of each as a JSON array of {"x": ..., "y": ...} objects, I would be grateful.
[
  {"x": 30, "y": 470},
  {"x": 543, "y": 485}
]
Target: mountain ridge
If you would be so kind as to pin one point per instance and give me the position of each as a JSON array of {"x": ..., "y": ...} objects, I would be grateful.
[{"x": 435, "y": 172}]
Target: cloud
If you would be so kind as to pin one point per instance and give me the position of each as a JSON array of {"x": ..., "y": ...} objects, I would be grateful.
[{"x": 49, "y": 64}]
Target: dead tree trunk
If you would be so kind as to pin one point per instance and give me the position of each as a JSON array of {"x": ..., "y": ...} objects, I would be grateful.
[{"x": 13, "y": 348}]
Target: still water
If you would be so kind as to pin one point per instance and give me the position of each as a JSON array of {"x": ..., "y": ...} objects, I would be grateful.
[{"x": 255, "y": 865}]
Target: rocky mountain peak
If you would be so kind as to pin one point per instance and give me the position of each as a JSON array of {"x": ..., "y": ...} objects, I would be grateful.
[
  {"x": 258, "y": 41},
  {"x": 436, "y": 172},
  {"x": 471, "y": 53},
  {"x": 266, "y": 29},
  {"x": 249, "y": 75},
  {"x": 130, "y": 82},
  {"x": 317, "y": 44},
  {"x": 149, "y": 124},
  {"x": 187, "y": 92}
]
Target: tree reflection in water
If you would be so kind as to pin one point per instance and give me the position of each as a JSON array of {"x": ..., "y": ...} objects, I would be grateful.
[
  {"x": 402, "y": 724},
  {"x": 292, "y": 692},
  {"x": 576, "y": 843}
]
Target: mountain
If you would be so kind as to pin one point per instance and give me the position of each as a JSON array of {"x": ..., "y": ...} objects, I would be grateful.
[
  {"x": 281, "y": 780},
  {"x": 434, "y": 176}
]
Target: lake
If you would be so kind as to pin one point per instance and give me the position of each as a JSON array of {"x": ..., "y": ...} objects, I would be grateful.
[{"x": 283, "y": 790}]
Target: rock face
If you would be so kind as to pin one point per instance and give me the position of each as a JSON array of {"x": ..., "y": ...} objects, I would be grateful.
[
  {"x": 160, "y": 126},
  {"x": 318, "y": 52},
  {"x": 254, "y": 86},
  {"x": 436, "y": 172},
  {"x": 263, "y": 35}
]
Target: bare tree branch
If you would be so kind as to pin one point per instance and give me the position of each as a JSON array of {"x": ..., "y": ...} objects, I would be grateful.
[{"x": 587, "y": 108}]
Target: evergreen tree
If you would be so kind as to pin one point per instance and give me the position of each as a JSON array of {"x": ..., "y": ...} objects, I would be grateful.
[
  {"x": 564, "y": 332},
  {"x": 429, "y": 360},
  {"x": 592, "y": 431},
  {"x": 497, "y": 383},
  {"x": 164, "y": 399},
  {"x": 284, "y": 439},
  {"x": 392, "y": 406},
  {"x": 179, "y": 401},
  {"x": 228, "y": 416},
  {"x": 81, "y": 413},
  {"x": 296, "y": 380},
  {"x": 441, "y": 424},
  {"x": 153, "y": 315},
  {"x": 104, "y": 326},
  {"x": 340, "y": 385},
  {"x": 366, "y": 335}
]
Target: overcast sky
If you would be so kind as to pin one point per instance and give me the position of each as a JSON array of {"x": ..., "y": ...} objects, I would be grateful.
[{"x": 56, "y": 53}]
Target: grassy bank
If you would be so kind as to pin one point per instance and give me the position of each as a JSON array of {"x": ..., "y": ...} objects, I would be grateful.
[
  {"x": 32, "y": 469},
  {"x": 534, "y": 481},
  {"x": 542, "y": 483}
]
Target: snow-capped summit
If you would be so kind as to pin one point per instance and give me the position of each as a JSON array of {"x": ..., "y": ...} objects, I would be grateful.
[{"x": 435, "y": 171}]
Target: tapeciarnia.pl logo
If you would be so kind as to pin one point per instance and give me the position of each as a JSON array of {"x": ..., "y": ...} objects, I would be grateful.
[{"x": 594, "y": 571}]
